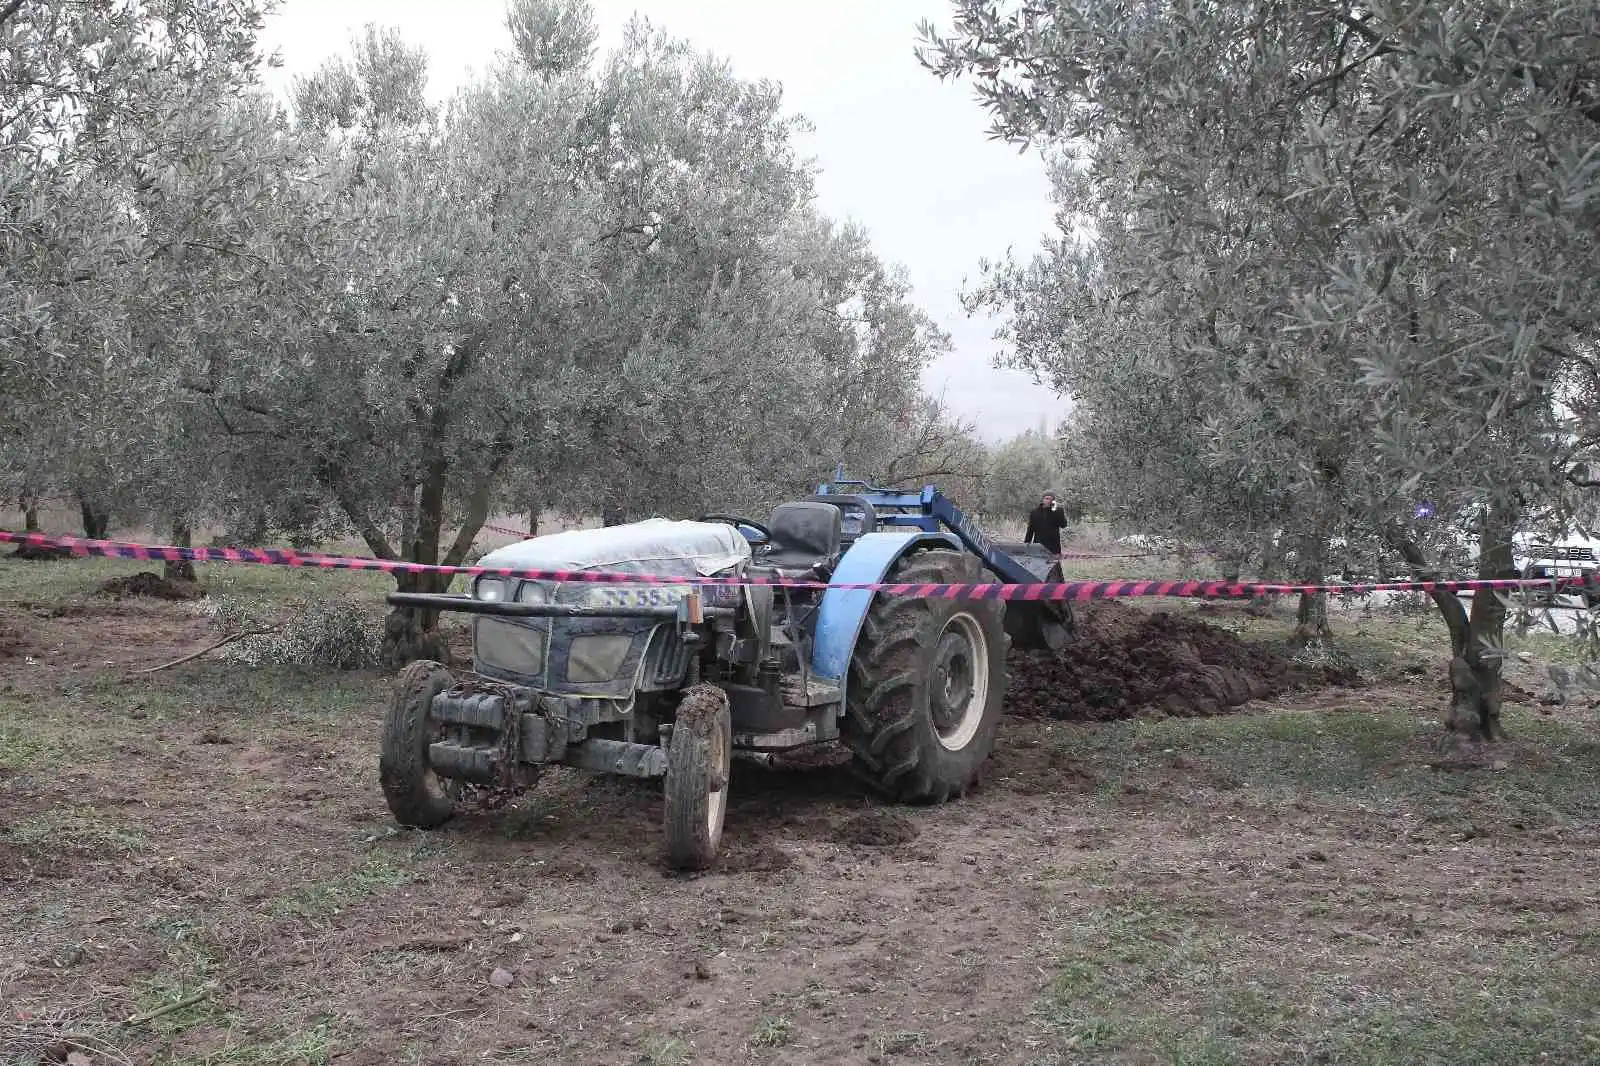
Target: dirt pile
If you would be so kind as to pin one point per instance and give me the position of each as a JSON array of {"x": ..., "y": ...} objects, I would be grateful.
[
  {"x": 1124, "y": 661},
  {"x": 151, "y": 585},
  {"x": 36, "y": 553}
]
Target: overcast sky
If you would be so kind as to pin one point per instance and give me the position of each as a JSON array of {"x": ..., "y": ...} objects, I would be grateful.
[{"x": 900, "y": 152}]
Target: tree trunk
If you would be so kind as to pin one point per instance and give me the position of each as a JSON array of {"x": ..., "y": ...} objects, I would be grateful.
[
  {"x": 1232, "y": 566},
  {"x": 1475, "y": 680},
  {"x": 1311, "y": 621},
  {"x": 180, "y": 569},
  {"x": 534, "y": 511},
  {"x": 410, "y": 634},
  {"x": 96, "y": 523},
  {"x": 1477, "y": 638},
  {"x": 30, "y": 512}
]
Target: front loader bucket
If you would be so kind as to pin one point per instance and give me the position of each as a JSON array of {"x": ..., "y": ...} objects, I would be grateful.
[{"x": 1041, "y": 626}]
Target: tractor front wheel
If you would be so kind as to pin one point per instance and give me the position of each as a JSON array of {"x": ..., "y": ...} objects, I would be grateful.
[
  {"x": 416, "y": 795},
  {"x": 699, "y": 760},
  {"x": 927, "y": 684}
]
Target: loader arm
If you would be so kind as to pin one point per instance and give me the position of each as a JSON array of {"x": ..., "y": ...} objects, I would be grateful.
[
  {"x": 1031, "y": 624},
  {"x": 932, "y": 511}
]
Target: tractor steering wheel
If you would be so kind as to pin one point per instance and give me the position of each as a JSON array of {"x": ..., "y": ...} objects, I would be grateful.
[{"x": 739, "y": 520}]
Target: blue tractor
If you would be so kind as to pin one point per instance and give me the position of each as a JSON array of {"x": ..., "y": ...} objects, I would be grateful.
[{"x": 674, "y": 680}]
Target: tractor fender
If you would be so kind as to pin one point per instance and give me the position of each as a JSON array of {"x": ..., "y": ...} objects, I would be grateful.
[{"x": 842, "y": 611}]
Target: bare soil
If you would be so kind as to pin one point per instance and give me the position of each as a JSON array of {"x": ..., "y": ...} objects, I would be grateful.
[{"x": 1109, "y": 892}]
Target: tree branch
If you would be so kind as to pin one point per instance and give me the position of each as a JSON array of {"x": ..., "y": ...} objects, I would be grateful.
[
  {"x": 1449, "y": 604},
  {"x": 1381, "y": 49},
  {"x": 365, "y": 526},
  {"x": 478, "y": 504},
  {"x": 222, "y": 249},
  {"x": 1360, "y": 28},
  {"x": 207, "y": 649}
]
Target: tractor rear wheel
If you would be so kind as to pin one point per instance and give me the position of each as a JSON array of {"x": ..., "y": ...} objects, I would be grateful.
[
  {"x": 416, "y": 795},
  {"x": 699, "y": 759},
  {"x": 927, "y": 684}
]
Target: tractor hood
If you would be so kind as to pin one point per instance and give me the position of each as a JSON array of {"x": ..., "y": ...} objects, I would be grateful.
[{"x": 655, "y": 546}]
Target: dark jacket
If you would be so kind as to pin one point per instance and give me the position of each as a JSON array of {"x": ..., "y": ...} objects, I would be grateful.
[{"x": 1045, "y": 525}]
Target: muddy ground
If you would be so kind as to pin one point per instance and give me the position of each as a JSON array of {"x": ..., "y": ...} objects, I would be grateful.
[{"x": 205, "y": 850}]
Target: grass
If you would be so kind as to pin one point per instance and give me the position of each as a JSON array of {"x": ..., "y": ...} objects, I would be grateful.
[
  {"x": 219, "y": 694},
  {"x": 1268, "y": 971},
  {"x": 55, "y": 582},
  {"x": 74, "y": 831},
  {"x": 312, "y": 1047},
  {"x": 1148, "y": 982},
  {"x": 1362, "y": 758},
  {"x": 22, "y": 748},
  {"x": 664, "y": 1051},
  {"x": 324, "y": 899},
  {"x": 1552, "y": 647},
  {"x": 231, "y": 694},
  {"x": 772, "y": 1032}
]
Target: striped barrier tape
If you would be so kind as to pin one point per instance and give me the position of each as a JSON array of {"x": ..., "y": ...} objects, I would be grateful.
[
  {"x": 1048, "y": 591},
  {"x": 1092, "y": 556},
  {"x": 508, "y": 531}
]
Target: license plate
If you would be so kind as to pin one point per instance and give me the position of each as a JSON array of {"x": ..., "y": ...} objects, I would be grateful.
[{"x": 638, "y": 595}]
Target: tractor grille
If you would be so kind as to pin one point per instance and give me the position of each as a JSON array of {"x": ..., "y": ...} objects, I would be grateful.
[{"x": 668, "y": 658}]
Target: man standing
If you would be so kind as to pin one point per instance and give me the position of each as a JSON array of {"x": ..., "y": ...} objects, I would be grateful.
[{"x": 1045, "y": 523}]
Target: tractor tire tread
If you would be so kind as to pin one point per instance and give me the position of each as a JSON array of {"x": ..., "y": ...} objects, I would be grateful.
[
  {"x": 885, "y": 729},
  {"x": 692, "y": 777},
  {"x": 403, "y": 769}
]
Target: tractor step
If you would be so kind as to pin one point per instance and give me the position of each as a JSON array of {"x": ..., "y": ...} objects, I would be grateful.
[
  {"x": 814, "y": 692},
  {"x": 782, "y": 740}
]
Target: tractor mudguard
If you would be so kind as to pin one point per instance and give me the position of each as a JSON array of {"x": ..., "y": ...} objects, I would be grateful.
[{"x": 842, "y": 611}]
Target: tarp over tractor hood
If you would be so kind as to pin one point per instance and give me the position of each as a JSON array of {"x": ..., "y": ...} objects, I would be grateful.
[{"x": 654, "y": 546}]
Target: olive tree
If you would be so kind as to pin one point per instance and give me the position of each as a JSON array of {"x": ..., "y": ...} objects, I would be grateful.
[
  {"x": 97, "y": 103},
  {"x": 424, "y": 283},
  {"x": 744, "y": 345},
  {"x": 1123, "y": 327},
  {"x": 1366, "y": 232}
]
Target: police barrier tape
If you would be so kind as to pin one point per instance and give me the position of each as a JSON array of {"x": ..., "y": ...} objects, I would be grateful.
[{"x": 1063, "y": 590}]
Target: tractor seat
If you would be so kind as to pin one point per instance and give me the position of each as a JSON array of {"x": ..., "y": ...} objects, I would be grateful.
[{"x": 803, "y": 536}]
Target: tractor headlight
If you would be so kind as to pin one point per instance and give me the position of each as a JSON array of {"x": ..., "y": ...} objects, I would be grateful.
[
  {"x": 533, "y": 592},
  {"x": 493, "y": 589}
]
